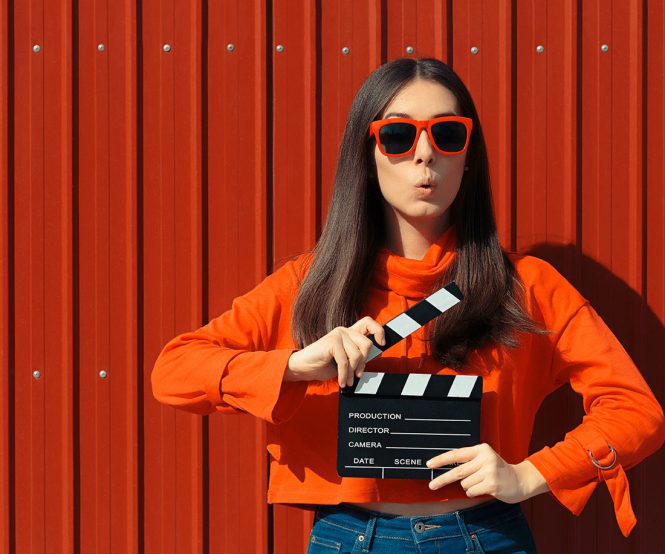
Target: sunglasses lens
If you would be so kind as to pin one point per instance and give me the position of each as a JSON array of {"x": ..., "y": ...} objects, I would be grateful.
[
  {"x": 450, "y": 136},
  {"x": 397, "y": 138}
]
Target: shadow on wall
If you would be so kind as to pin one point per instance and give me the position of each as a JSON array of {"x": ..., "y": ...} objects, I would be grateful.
[{"x": 643, "y": 336}]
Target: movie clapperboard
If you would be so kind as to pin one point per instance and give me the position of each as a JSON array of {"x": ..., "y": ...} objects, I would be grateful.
[{"x": 390, "y": 424}]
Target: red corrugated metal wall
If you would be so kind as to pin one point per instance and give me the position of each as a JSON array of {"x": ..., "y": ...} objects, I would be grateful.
[{"x": 159, "y": 157}]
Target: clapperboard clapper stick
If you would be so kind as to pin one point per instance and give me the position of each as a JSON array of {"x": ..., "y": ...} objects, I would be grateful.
[{"x": 390, "y": 424}]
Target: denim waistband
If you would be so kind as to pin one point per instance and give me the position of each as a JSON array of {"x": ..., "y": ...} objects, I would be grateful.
[{"x": 452, "y": 524}]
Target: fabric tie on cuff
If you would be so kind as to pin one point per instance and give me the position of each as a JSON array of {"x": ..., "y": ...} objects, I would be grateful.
[
  {"x": 617, "y": 484},
  {"x": 606, "y": 460}
]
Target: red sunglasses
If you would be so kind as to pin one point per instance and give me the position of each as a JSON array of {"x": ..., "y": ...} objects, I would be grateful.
[{"x": 397, "y": 136}]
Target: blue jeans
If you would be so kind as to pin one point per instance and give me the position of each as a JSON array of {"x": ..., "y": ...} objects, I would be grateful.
[{"x": 490, "y": 527}]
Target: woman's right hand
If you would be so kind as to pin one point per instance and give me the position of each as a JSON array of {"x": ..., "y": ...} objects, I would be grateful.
[{"x": 342, "y": 352}]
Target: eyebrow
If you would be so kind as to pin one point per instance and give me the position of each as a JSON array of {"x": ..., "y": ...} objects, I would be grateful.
[{"x": 407, "y": 116}]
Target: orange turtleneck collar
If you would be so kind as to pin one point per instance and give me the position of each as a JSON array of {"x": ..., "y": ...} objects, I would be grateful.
[{"x": 415, "y": 278}]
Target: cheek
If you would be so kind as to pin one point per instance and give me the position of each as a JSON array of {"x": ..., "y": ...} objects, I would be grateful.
[
  {"x": 451, "y": 171},
  {"x": 388, "y": 174},
  {"x": 450, "y": 165}
]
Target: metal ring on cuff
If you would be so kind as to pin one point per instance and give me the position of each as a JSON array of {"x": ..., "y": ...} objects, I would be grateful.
[{"x": 597, "y": 464}]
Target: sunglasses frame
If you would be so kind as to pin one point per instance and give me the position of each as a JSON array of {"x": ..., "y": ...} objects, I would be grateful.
[{"x": 375, "y": 127}]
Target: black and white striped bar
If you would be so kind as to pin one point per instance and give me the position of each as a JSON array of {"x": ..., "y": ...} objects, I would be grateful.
[
  {"x": 415, "y": 317},
  {"x": 390, "y": 424},
  {"x": 401, "y": 385}
]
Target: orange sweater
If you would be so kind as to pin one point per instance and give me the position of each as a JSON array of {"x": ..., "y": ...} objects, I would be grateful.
[{"x": 237, "y": 361}]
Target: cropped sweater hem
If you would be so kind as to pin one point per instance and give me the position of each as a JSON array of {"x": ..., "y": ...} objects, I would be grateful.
[{"x": 370, "y": 495}]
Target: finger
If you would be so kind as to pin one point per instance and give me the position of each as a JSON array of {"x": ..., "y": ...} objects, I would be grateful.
[
  {"x": 367, "y": 325},
  {"x": 364, "y": 346},
  {"x": 457, "y": 456},
  {"x": 342, "y": 362},
  {"x": 472, "y": 480},
  {"x": 478, "y": 490},
  {"x": 460, "y": 472},
  {"x": 353, "y": 354}
]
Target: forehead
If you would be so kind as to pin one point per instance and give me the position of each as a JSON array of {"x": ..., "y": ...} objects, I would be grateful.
[{"x": 423, "y": 99}]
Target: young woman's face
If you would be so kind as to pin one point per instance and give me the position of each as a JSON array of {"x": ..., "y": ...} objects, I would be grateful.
[{"x": 401, "y": 178}]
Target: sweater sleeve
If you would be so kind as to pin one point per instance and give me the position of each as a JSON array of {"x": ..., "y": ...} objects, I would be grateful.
[
  {"x": 236, "y": 362},
  {"x": 623, "y": 422}
]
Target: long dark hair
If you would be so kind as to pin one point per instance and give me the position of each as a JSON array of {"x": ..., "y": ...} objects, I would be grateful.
[{"x": 335, "y": 287}]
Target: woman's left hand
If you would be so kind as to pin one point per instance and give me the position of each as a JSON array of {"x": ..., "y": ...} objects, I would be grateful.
[{"x": 482, "y": 471}]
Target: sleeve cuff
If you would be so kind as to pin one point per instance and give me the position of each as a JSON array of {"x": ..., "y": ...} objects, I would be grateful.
[
  {"x": 574, "y": 488},
  {"x": 573, "y": 499},
  {"x": 289, "y": 398},
  {"x": 253, "y": 382}
]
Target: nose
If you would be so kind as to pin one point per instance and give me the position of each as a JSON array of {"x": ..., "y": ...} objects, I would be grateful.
[{"x": 424, "y": 152}]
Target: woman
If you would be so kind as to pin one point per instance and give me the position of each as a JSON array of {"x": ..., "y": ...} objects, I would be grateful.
[{"x": 410, "y": 211}]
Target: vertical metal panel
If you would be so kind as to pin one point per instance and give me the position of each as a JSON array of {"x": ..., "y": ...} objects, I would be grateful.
[
  {"x": 142, "y": 190},
  {"x": 238, "y": 251},
  {"x": 107, "y": 271},
  {"x": 28, "y": 291},
  {"x": 294, "y": 127},
  {"x": 94, "y": 276},
  {"x": 6, "y": 373},
  {"x": 124, "y": 462},
  {"x": 419, "y": 24},
  {"x": 44, "y": 437},
  {"x": 356, "y": 26},
  {"x": 488, "y": 27},
  {"x": 546, "y": 119},
  {"x": 57, "y": 386},
  {"x": 172, "y": 262}
]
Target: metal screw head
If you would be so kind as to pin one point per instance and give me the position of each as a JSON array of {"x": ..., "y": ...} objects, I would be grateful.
[
  {"x": 280, "y": 48},
  {"x": 166, "y": 48},
  {"x": 540, "y": 48},
  {"x": 230, "y": 47},
  {"x": 36, "y": 48},
  {"x": 474, "y": 50},
  {"x": 102, "y": 374},
  {"x": 36, "y": 374},
  {"x": 345, "y": 50},
  {"x": 100, "y": 47},
  {"x": 409, "y": 49},
  {"x": 604, "y": 47}
]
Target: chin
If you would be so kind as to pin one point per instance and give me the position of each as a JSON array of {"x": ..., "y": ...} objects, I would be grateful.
[{"x": 427, "y": 212}]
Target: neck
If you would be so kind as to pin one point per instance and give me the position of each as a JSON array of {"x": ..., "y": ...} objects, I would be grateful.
[{"x": 411, "y": 239}]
